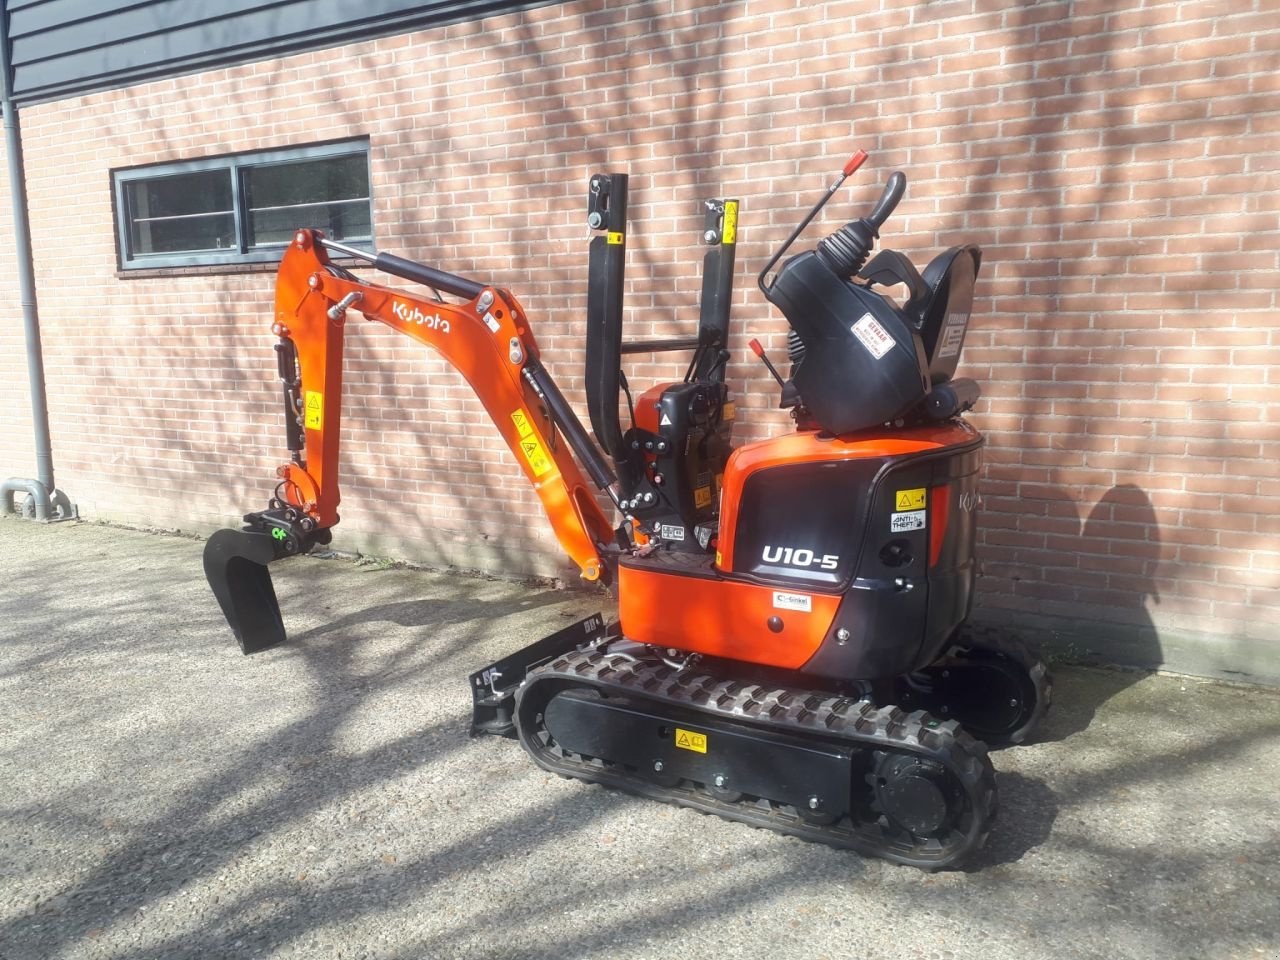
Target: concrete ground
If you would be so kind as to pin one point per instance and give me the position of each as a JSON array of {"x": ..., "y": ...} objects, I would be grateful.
[{"x": 163, "y": 796}]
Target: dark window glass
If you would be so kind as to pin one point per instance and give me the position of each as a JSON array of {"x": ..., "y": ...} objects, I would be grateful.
[
  {"x": 186, "y": 212},
  {"x": 331, "y": 194},
  {"x": 242, "y": 208}
]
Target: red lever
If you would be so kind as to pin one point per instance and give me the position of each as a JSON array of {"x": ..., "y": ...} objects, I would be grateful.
[
  {"x": 855, "y": 162},
  {"x": 759, "y": 352}
]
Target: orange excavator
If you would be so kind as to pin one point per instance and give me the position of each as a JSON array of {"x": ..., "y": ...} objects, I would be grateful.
[{"x": 790, "y": 649}]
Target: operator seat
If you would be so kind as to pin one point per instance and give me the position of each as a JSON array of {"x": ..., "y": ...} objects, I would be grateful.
[{"x": 944, "y": 318}]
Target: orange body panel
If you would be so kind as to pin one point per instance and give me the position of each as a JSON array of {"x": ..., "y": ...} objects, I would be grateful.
[
  {"x": 647, "y": 407},
  {"x": 722, "y": 618},
  {"x": 489, "y": 348}
]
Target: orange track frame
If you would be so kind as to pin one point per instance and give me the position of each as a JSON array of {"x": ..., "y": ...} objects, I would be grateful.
[{"x": 489, "y": 348}]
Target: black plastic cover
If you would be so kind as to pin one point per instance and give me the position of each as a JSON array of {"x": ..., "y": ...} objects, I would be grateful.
[
  {"x": 806, "y": 521},
  {"x": 901, "y": 608},
  {"x": 863, "y": 364}
]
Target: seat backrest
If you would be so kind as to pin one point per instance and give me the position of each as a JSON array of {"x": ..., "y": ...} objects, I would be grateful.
[{"x": 945, "y": 317}]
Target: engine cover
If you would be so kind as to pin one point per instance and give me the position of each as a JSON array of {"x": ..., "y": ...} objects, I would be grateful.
[{"x": 844, "y": 558}]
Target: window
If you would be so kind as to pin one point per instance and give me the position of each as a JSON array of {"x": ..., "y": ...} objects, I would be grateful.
[{"x": 242, "y": 208}]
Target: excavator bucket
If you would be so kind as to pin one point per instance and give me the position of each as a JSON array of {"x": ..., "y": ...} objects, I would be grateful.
[{"x": 235, "y": 564}]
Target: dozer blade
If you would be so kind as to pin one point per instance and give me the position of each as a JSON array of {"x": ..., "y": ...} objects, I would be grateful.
[{"x": 235, "y": 564}]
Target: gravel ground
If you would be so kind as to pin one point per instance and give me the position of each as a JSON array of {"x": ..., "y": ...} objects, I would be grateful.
[{"x": 163, "y": 796}]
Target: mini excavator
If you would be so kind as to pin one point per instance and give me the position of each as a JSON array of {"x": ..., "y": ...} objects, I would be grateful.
[{"x": 790, "y": 649}]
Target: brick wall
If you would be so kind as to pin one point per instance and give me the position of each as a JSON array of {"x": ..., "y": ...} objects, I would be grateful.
[{"x": 1116, "y": 159}]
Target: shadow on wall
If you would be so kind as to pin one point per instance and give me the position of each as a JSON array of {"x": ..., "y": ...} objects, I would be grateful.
[
  {"x": 1113, "y": 573},
  {"x": 1125, "y": 521}
]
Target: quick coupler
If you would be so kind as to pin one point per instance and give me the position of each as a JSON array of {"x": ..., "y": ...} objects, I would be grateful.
[{"x": 235, "y": 564}]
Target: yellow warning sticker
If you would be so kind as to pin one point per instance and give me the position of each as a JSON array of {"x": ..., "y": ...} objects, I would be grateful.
[
  {"x": 688, "y": 740},
  {"x": 616, "y": 238},
  {"x": 537, "y": 457},
  {"x": 702, "y": 497},
  {"x": 315, "y": 409},
  {"x": 731, "y": 222},
  {"x": 522, "y": 423},
  {"x": 911, "y": 499},
  {"x": 730, "y": 410}
]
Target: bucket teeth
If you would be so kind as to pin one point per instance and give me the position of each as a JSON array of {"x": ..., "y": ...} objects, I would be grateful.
[{"x": 235, "y": 564}]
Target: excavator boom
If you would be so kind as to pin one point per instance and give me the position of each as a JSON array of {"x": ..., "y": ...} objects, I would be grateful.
[{"x": 486, "y": 338}]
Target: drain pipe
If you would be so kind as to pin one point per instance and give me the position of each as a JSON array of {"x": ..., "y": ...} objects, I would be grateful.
[{"x": 44, "y": 501}]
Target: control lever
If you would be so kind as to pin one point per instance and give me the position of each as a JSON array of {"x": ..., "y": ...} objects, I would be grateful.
[
  {"x": 759, "y": 352},
  {"x": 888, "y": 202},
  {"x": 847, "y": 249},
  {"x": 855, "y": 161}
]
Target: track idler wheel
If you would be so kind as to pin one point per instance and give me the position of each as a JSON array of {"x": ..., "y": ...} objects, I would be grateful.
[
  {"x": 994, "y": 687},
  {"x": 914, "y": 794}
]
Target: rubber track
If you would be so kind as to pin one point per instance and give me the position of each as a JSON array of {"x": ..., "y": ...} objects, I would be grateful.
[{"x": 831, "y": 719}]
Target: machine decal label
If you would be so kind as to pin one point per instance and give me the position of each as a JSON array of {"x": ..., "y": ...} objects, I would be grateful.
[
  {"x": 799, "y": 557},
  {"x": 729, "y": 411},
  {"x": 665, "y": 421},
  {"x": 315, "y": 409},
  {"x": 901, "y": 522},
  {"x": 953, "y": 334},
  {"x": 915, "y": 499},
  {"x": 872, "y": 336},
  {"x": 688, "y": 740},
  {"x": 536, "y": 456},
  {"x": 522, "y": 424},
  {"x": 616, "y": 238},
  {"x": 730, "y": 233},
  {"x": 671, "y": 531},
  {"x": 702, "y": 497},
  {"x": 491, "y": 322},
  {"x": 793, "y": 601},
  {"x": 530, "y": 445},
  {"x": 414, "y": 315}
]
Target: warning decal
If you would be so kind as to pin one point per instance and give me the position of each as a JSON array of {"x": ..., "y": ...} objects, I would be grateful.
[
  {"x": 534, "y": 453},
  {"x": 872, "y": 336},
  {"x": 615, "y": 238},
  {"x": 315, "y": 410},
  {"x": 701, "y": 497},
  {"x": 522, "y": 423},
  {"x": 730, "y": 234},
  {"x": 952, "y": 335},
  {"x": 911, "y": 499},
  {"x": 688, "y": 740},
  {"x": 530, "y": 445}
]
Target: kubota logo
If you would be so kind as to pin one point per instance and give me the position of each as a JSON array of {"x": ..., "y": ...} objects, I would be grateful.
[{"x": 414, "y": 315}]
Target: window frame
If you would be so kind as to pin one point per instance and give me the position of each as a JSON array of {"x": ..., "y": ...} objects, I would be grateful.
[{"x": 235, "y": 164}]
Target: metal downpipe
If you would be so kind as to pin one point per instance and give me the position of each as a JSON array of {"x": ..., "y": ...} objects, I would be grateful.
[{"x": 46, "y": 498}]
